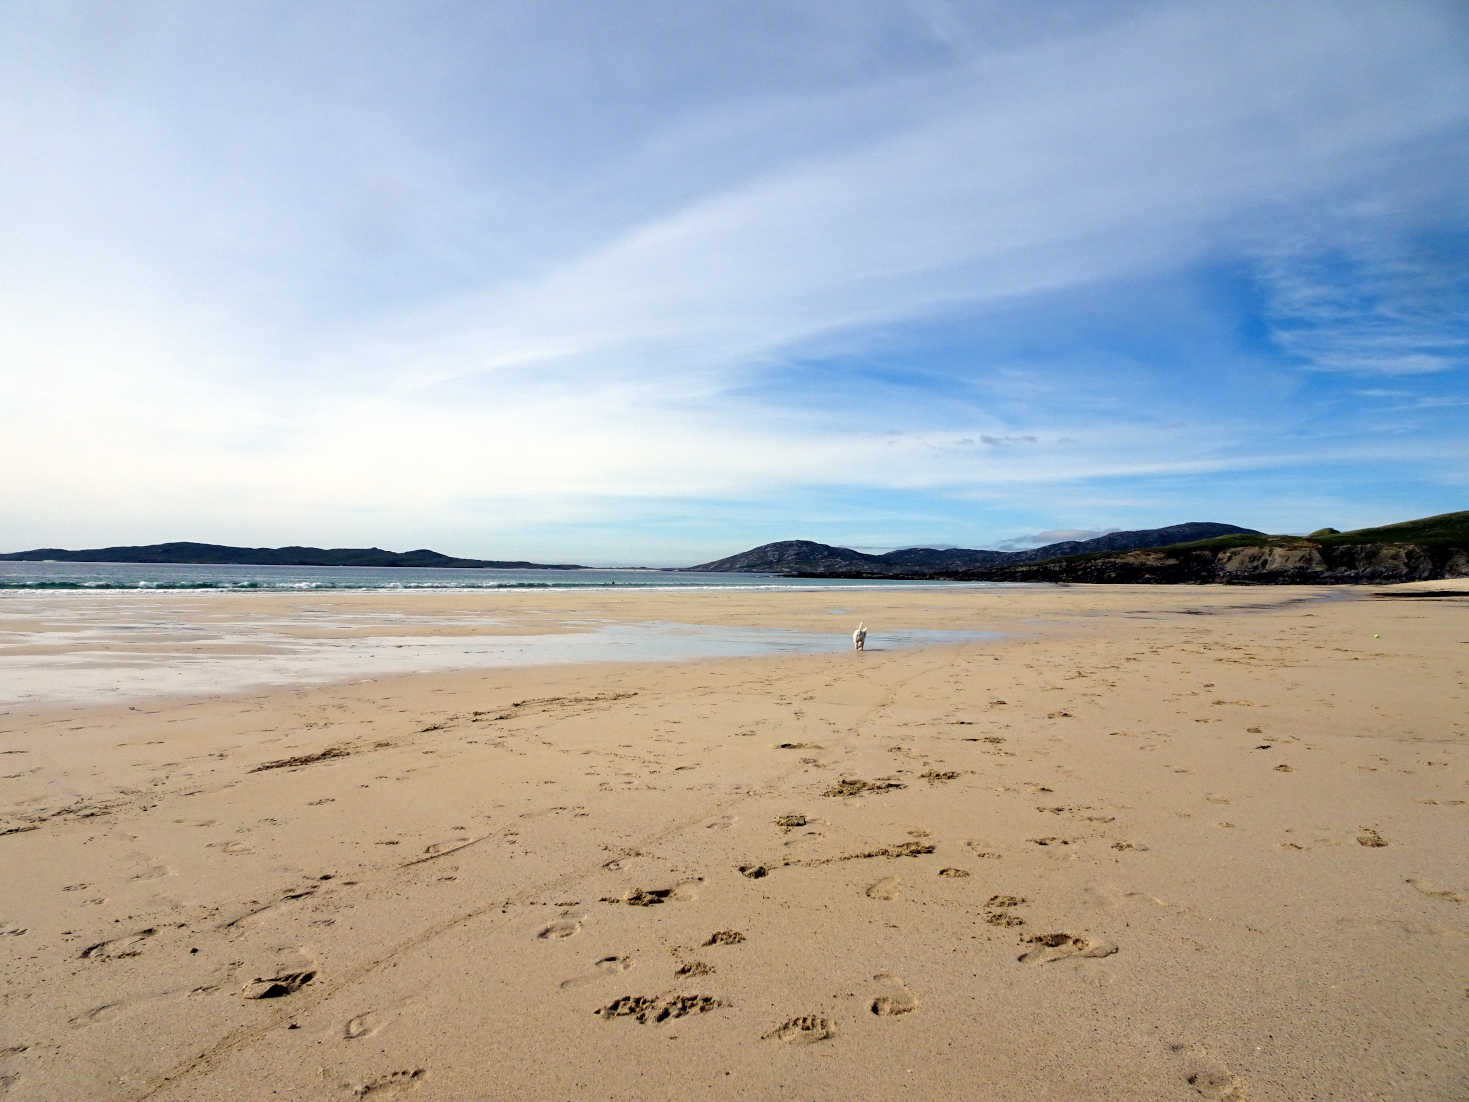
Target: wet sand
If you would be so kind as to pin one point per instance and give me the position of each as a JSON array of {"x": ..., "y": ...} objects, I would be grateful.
[
  {"x": 86, "y": 648},
  {"x": 1151, "y": 844}
]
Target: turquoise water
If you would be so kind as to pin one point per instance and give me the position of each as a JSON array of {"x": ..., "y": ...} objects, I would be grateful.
[{"x": 100, "y": 576}]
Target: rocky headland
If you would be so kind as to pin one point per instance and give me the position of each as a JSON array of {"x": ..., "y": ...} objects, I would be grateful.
[{"x": 1416, "y": 550}]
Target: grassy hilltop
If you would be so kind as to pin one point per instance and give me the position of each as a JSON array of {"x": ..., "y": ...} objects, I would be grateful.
[{"x": 1412, "y": 550}]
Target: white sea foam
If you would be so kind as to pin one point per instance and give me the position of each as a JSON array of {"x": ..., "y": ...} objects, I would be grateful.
[{"x": 151, "y": 577}]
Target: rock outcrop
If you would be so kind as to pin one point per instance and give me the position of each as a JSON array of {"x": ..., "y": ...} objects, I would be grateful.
[{"x": 1302, "y": 562}]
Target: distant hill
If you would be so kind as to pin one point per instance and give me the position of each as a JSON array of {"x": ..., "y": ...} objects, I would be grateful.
[
  {"x": 820, "y": 560},
  {"x": 1412, "y": 550},
  {"x": 218, "y": 554}
]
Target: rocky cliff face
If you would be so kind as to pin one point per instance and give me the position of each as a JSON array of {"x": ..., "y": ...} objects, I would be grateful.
[{"x": 1302, "y": 562}]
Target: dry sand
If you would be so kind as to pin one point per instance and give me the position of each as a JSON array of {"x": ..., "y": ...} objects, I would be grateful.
[{"x": 1160, "y": 843}]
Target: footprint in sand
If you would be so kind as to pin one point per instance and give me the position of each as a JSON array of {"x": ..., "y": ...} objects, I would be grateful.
[
  {"x": 607, "y": 966},
  {"x": 281, "y": 973},
  {"x": 885, "y": 889},
  {"x": 118, "y": 948},
  {"x": 1208, "y": 1077},
  {"x": 982, "y": 850},
  {"x": 1217, "y": 1083},
  {"x": 685, "y": 891},
  {"x": 999, "y": 911},
  {"x": 1435, "y": 891},
  {"x": 724, "y": 822},
  {"x": 898, "y": 1000},
  {"x": 278, "y": 987},
  {"x": 1049, "y": 948},
  {"x": 655, "y": 1009},
  {"x": 1368, "y": 837},
  {"x": 566, "y": 926},
  {"x": 367, "y": 1024},
  {"x": 392, "y": 1085},
  {"x": 849, "y": 786},
  {"x": 805, "y": 1030},
  {"x": 615, "y": 864},
  {"x": 96, "y": 1014}
]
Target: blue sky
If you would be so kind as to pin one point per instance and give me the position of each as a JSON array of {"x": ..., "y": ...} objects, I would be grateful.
[{"x": 654, "y": 283}]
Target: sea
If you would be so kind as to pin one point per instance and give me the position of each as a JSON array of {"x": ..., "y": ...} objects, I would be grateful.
[{"x": 34, "y": 576}]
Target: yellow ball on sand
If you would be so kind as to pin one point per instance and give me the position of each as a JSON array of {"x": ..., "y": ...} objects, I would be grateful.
[{"x": 1376, "y": 636}]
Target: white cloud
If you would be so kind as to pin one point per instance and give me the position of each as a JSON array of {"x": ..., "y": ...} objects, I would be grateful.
[
  {"x": 1338, "y": 310},
  {"x": 374, "y": 269},
  {"x": 1058, "y": 535}
]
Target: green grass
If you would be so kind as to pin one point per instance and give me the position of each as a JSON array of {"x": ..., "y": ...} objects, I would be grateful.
[{"x": 1446, "y": 528}]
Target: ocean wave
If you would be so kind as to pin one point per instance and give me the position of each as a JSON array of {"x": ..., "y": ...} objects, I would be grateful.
[
  {"x": 48, "y": 583},
  {"x": 395, "y": 587},
  {"x": 194, "y": 586},
  {"x": 291, "y": 586}
]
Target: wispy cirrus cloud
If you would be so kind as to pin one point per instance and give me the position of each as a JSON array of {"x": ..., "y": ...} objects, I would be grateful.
[{"x": 1380, "y": 308}]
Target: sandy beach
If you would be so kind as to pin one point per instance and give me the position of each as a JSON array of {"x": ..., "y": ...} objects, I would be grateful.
[{"x": 1143, "y": 843}]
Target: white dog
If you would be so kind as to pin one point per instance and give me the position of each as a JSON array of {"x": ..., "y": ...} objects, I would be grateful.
[{"x": 859, "y": 637}]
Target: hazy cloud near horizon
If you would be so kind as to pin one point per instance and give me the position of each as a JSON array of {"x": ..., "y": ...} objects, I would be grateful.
[
  {"x": 1059, "y": 535},
  {"x": 638, "y": 283}
]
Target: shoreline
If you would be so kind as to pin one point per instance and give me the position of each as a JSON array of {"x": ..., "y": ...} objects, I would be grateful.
[
  {"x": 120, "y": 647},
  {"x": 75, "y": 648},
  {"x": 827, "y": 871}
]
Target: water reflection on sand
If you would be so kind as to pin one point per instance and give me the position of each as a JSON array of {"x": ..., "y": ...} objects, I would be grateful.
[{"x": 91, "y": 663}]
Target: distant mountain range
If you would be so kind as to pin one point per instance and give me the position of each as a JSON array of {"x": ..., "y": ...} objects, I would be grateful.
[
  {"x": 1431, "y": 547},
  {"x": 218, "y": 554},
  {"x": 807, "y": 558},
  {"x": 1414, "y": 550}
]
